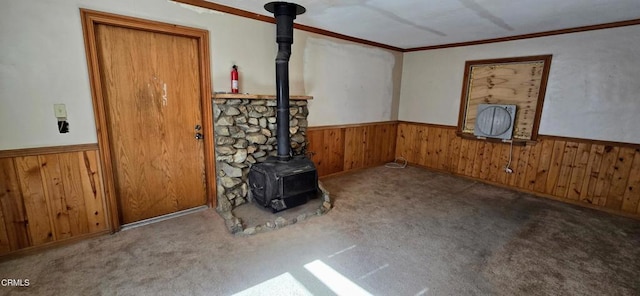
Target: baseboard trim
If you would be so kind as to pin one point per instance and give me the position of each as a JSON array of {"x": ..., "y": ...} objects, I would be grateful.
[
  {"x": 163, "y": 218},
  {"x": 51, "y": 245},
  {"x": 47, "y": 150}
]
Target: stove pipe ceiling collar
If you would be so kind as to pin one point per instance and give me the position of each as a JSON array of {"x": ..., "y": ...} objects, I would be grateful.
[{"x": 284, "y": 13}]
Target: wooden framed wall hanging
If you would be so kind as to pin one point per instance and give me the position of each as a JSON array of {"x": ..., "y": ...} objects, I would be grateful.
[{"x": 520, "y": 81}]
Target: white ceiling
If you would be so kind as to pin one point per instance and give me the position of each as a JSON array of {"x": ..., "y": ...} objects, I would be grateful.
[{"x": 415, "y": 23}]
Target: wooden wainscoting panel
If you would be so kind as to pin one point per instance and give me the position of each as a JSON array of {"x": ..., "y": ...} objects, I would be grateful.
[
  {"x": 347, "y": 147},
  {"x": 443, "y": 151},
  {"x": 620, "y": 178},
  {"x": 5, "y": 245},
  {"x": 72, "y": 170},
  {"x": 470, "y": 158},
  {"x": 454, "y": 153},
  {"x": 631, "y": 200},
  {"x": 327, "y": 146},
  {"x": 579, "y": 170},
  {"x": 49, "y": 198},
  {"x": 521, "y": 167},
  {"x": 35, "y": 200},
  {"x": 53, "y": 180},
  {"x": 371, "y": 152},
  {"x": 554, "y": 167},
  {"x": 544, "y": 163},
  {"x": 464, "y": 157},
  {"x": 416, "y": 150},
  {"x": 408, "y": 143},
  {"x": 402, "y": 140},
  {"x": 12, "y": 204},
  {"x": 334, "y": 140},
  {"x": 433, "y": 146},
  {"x": 486, "y": 160},
  {"x": 354, "y": 144},
  {"x": 421, "y": 147},
  {"x": 496, "y": 162},
  {"x": 92, "y": 190},
  {"x": 425, "y": 151},
  {"x": 606, "y": 174},
  {"x": 566, "y": 166},
  {"x": 591, "y": 174},
  {"x": 317, "y": 149},
  {"x": 531, "y": 175},
  {"x": 63, "y": 177},
  {"x": 511, "y": 179},
  {"x": 595, "y": 174},
  {"x": 382, "y": 142},
  {"x": 477, "y": 161},
  {"x": 387, "y": 137}
]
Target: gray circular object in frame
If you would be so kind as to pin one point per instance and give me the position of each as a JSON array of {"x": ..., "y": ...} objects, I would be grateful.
[{"x": 494, "y": 121}]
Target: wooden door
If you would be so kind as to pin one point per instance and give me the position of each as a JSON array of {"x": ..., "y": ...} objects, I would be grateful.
[{"x": 151, "y": 94}]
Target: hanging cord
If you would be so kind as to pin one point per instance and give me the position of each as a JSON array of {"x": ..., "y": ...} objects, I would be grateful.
[
  {"x": 507, "y": 168},
  {"x": 397, "y": 165}
]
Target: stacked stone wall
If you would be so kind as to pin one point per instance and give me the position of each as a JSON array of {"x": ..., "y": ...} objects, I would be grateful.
[{"x": 245, "y": 133}]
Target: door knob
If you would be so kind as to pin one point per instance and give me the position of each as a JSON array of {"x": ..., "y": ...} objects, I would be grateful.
[{"x": 199, "y": 136}]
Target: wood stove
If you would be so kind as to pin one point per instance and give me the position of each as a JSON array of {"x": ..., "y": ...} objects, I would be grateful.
[
  {"x": 283, "y": 181},
  {"x": 282, "y": 185}
]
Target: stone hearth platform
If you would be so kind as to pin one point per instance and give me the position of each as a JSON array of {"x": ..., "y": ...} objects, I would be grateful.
[{"x": 256, "y": 219}]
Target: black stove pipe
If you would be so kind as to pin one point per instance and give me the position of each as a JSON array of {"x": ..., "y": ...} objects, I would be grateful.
[{"x": 284, "y": 13}]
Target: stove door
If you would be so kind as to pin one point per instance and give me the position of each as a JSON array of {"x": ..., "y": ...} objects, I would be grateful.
[{"x": 258, "y": 186}]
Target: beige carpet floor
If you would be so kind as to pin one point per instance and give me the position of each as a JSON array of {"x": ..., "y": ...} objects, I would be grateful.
[{"x": 392, "y": 232}]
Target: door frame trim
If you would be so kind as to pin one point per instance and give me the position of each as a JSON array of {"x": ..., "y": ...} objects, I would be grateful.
[{"x": 92, "y": 18}]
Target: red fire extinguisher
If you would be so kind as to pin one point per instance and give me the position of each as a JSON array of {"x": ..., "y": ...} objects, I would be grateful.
[{"x": 234, "y": 79}]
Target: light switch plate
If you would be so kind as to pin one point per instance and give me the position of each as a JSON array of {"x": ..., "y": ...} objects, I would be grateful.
[{"x": 60, "y": 110}]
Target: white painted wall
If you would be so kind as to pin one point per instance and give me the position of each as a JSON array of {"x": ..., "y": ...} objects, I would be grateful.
[
  {"x": 362, "y": 90},
  {"x": 42, "y": 62},
  {"x": 593, "y": 90}
]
